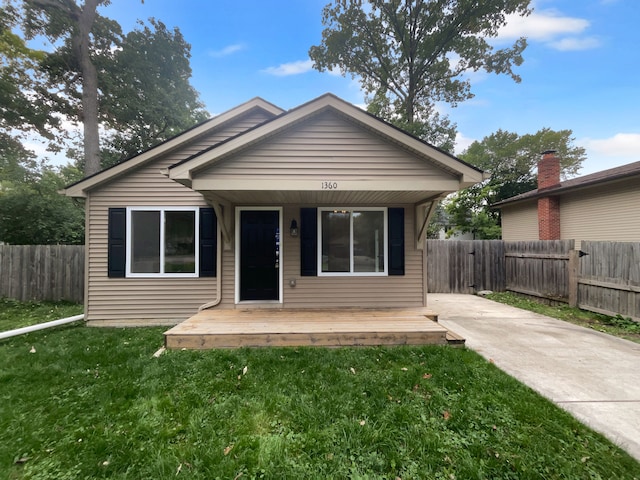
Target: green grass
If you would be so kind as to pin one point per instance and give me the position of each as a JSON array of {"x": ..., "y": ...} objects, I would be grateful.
[
  {"x": 94, "y": 403},
  {"x": 618, "y": 326},
  {"x": 15, "y": 314}
]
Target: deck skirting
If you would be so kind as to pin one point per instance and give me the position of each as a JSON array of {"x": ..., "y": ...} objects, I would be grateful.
[{"x": 255, "y": 327}]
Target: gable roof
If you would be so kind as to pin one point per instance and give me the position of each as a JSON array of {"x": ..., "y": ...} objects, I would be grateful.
[
  {"x": 80, "y": 188},
  {"x": 604, "y": 176},
  {"x": 183, "y": 171}
]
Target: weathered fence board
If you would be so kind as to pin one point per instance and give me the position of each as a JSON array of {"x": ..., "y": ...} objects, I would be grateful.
[
  {"x": 42, "y": 272},
  {"x": 539, "y": 268},
  {"x": 609, "y": 280},
  {"x": 606, "y": 280},
  {"x": 465, "y": 266}
]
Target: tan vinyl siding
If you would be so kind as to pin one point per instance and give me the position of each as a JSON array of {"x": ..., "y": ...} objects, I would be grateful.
[
  {"x": 226, "y": 131},
  {"x": 326, "y": 147},
  {"x": 146, "y": 300},
  {"x": 520, "y": 222},
  {"x": 352, "y": 291},
  {"x": 607, "y": 212}
]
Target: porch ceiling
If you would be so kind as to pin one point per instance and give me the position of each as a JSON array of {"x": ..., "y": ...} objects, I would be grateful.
[{"x": 300, "y": 197}]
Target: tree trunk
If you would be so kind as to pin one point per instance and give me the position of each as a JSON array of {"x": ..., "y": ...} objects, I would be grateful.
[{"x": 89, "y": 114}]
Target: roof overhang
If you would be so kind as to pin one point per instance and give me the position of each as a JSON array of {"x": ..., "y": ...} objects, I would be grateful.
[
  {"x": 186, "y": 172},
  {"x": 80, "y": 189}
]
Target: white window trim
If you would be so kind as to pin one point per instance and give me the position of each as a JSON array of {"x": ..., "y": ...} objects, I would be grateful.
[
  {"x": 130, "y": 274},
  {"x": 351, "y": 273}
]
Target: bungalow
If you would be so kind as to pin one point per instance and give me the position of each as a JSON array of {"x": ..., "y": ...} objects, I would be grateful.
[
  {"x": 320, "y": 206},
  {"x": 601, "y": 206}
]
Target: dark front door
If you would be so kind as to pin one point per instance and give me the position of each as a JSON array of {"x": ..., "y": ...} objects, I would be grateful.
[{"x": 259, "y": 255}]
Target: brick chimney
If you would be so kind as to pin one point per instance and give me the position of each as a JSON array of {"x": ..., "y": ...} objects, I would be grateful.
[
  {"x": 548, "y": 207},
  {"x": 548, "y": 170}
]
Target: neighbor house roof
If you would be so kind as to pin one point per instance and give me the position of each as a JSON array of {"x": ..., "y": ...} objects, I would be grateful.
[
  {"x": 80, "y": 188},
  {"x": 604, "y": 176}
]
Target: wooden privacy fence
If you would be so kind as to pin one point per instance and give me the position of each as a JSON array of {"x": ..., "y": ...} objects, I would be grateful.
[
  {"x": 602, "y": 277},
  {"x": 465, "y": 266},
  {"x": 469, "y": 266},
  {"x": 42, "y": 272},
  {"x": 609, "y": 278},
  {"x": 539, "y": 268}
]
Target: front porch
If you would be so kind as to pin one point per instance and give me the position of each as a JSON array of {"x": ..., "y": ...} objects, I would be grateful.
[{"x": 262, "y": 327}]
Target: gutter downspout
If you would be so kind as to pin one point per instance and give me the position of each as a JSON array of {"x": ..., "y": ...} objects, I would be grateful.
[
  {"x": 40, "y": 326},
  {"x": 218, "y": 276}
]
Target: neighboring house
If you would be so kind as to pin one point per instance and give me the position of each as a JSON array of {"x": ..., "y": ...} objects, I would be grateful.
[
  {"x": 602, "y": 206},
  {"x": 323, "y": 205}
]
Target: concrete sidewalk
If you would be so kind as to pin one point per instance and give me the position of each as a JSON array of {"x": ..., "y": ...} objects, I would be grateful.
[{"x": 594, "y": 376}]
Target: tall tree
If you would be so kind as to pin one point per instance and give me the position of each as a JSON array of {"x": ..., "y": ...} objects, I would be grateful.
[
  {"x": 133, "y": 89},
  {"x": 75, "y": 26},
  {"x": 410, "y": 54},
  {"x": 21, "y": 110},
  {"x": 511, "y": 159},
  {"x": 146, "y": 95}
]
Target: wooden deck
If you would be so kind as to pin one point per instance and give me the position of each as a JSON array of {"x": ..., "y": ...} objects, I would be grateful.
[{"x": 261, "y": 327}]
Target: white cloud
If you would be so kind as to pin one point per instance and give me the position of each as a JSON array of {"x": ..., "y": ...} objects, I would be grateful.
[
  {"x": 542, "y": 25},
  {"x": 462, "y": 143},
  {"x": 572, "y": 44},
  {"x": 551, "y": 27},
  {"x": 292, "y": 68},
  {"x": 620, "y": 145},
  {"x": 228, "y": 50}
]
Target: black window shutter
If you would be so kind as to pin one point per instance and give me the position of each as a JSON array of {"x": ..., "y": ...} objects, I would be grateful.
[
  {"x": 396, "y": 241},
  {"x": 308, "y": 242},
  {"x": 117, "y": 251},
  {"x": 208, "y": 242}
]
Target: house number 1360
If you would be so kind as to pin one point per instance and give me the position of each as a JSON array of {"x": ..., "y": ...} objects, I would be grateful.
[{"x": 329, "y": 185}]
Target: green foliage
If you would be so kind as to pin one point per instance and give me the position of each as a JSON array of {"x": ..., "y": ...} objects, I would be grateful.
[
  {"x": 34, "y": 213},
  {"x": 512, "y": 160},
  {"x": 142, "y": 93},
  {"x": 21, "y": 110},
  {"x": 410, "y": 55},
  {"x": 146, "y": 94},
  {"x": 93, "y": 403}
]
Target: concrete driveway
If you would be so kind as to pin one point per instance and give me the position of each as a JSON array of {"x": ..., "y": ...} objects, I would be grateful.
[{"x": 594, "y": 376}]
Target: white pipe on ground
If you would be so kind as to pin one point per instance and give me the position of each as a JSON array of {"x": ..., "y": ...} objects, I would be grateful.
[{"x": 40, "y": 326}]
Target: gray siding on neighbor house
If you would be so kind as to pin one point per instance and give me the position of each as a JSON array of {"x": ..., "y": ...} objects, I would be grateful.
[
  {"x": 520, "y": 222},
  {"x": 324, "y": 145},
  {"x": 146, "y": 300}
]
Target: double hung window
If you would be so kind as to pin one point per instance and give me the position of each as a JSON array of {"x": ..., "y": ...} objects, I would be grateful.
[{"x": 353, "y": 241}]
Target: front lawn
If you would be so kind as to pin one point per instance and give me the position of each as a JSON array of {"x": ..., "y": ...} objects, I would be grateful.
[
  {"x": 79, "y": 402},
  {"x": 15, "y": 314}
]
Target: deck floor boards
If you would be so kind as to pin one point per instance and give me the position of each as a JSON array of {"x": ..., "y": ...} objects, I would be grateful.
[{"x": 255, "y": 327}]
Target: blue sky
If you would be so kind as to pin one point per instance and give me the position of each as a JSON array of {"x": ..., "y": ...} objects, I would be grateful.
[{"x": 581, "y": 68}]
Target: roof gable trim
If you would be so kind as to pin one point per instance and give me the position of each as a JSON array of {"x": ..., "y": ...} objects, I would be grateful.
[
  {"x": 80, "y": 188},
  {"x": 183, "y": 171}
]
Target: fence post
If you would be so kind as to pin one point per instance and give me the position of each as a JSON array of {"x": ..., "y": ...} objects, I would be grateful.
[{"x": 574, "y": 265}]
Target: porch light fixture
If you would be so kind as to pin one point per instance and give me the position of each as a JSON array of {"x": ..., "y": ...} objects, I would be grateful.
[{"x": 293, "y": 229}]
